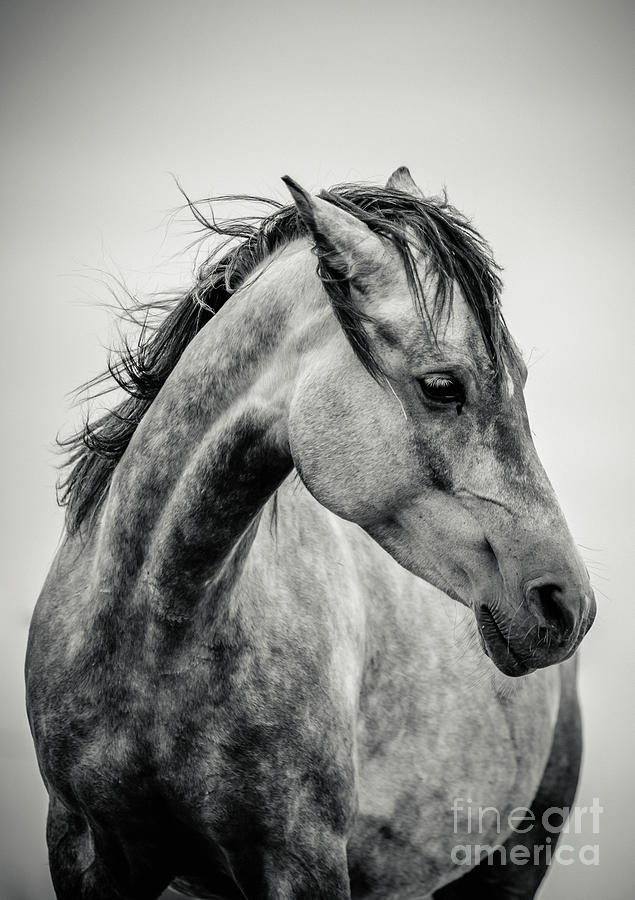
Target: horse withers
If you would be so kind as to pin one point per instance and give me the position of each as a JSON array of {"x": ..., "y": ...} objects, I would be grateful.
[{"x": 315, "y": 591}]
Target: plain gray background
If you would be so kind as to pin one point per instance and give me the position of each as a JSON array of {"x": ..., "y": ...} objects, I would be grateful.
[{"x": 524, "y": 111}]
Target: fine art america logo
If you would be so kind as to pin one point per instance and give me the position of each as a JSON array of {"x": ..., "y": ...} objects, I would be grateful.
[{"x": 526, "y": 838}]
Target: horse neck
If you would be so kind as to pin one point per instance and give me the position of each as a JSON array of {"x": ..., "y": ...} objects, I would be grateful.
[{"x": 213, "y": 446}]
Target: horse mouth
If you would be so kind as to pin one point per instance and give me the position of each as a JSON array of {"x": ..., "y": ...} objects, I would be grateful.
[{"x": 497, "y": 646}]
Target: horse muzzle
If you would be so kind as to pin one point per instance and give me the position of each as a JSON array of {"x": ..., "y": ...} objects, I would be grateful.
[{"x": 545, "y": 629}]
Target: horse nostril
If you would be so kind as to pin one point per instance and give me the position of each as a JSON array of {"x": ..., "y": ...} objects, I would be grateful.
[{"x": 548, "y": 601}]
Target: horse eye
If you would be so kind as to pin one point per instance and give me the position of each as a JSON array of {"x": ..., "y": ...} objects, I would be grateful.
[{"x": 442, "y": 387}]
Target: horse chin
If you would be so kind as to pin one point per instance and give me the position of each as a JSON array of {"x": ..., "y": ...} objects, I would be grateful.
[{"x": 497, "y": 647}]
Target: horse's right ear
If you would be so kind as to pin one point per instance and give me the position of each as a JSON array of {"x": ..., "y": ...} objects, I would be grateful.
[
  {"x": 402, "y": 180},
  {"x": 345, "y": 243}
]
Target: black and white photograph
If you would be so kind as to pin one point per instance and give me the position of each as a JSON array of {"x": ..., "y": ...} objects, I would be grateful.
[{"x": 317, "y": 519}]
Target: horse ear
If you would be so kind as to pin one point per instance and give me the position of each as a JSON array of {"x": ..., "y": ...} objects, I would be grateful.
[
  {"x": 343, "y": 242},
  {"x": 402, "y": 180}
]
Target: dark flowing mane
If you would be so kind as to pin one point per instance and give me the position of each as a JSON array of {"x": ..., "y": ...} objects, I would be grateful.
[{"x": 455, "y": 252}]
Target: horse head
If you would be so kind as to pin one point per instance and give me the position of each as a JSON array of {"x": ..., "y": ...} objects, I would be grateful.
[{"x": 411, "y": 422}]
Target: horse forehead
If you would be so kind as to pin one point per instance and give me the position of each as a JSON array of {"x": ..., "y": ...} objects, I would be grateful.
[
  {"x": 452, "y": 328},
  {"x": 458, "y": 326}
]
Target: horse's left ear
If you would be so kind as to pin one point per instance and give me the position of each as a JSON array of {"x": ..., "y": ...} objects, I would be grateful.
[
  {"x": 402, "y": 180},
  {"x": 345, "y": 243}
]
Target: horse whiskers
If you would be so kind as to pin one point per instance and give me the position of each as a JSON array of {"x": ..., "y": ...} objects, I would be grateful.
[
  {"x": 600, "y": 591},
  {"x": 398, "y": 400},
  {"x": 230, "y": 870}
]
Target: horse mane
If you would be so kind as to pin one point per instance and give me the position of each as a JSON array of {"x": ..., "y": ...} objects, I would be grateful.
[{"x": 455, "y": 253}]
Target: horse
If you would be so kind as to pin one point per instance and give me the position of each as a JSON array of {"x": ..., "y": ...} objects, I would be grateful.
[{"x": 316, "y": 602}]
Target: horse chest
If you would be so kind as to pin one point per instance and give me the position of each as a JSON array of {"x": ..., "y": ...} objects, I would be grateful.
[{"x": 447, "y": 749}]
